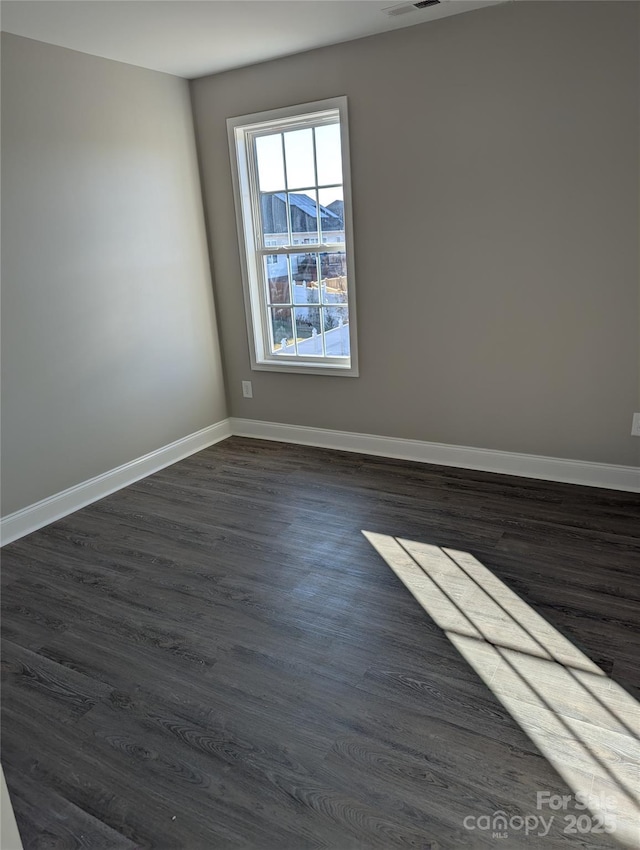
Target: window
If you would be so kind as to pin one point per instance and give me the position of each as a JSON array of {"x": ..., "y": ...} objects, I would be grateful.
[{"x": 293, "y": 208}]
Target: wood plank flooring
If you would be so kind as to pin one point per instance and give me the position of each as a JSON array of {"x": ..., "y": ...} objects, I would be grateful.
[{"x": 215, "y": 657}]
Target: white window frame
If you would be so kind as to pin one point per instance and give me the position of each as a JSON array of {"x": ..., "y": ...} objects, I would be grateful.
[{"x": 242, "y": 130}]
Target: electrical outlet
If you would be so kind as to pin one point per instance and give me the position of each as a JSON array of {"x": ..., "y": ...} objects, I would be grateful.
[
  {"x": 247, "y": 390},
  {"x": 635, "y": 425}
]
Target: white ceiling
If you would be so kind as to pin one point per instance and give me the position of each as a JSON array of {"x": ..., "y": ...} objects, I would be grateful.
[{"x": 192, "y": 38}]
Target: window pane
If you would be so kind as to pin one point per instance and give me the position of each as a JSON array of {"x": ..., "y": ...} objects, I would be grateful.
[
  {"x": 328, "y": 154},
  {"x": 336, "y": 331},
  {"x": 270, "y": 163},
  {"x": 277, "y": 276},
  {"x": 333, "y": 278},
  {"x": 305, "y": 278},
  {"x": 332, "y": 214},
  {"x": 304, "y": 217},
  {"x": 282, "y": 330},
  {"x": 298, "y": 146},
  {"x": 308, "y": 331},
  {"x": 305, "y": 293},
  {"x": 275, "y": 230}
]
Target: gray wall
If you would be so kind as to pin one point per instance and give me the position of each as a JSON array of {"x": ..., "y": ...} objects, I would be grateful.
[
  {"x": 109, "y": 347},
  {"x": 495, "y": 184}
]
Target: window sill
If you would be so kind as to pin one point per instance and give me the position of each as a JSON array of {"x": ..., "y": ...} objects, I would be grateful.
[{"x": 306, "y": 368}]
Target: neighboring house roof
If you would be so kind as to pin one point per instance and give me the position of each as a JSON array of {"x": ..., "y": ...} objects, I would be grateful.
[
  {"x": 337, "y": 207},
  {"x": 304, "y": 203}
]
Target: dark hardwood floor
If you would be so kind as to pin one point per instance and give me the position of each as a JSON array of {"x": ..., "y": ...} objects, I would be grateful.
[{"x": 216, "y": 657}]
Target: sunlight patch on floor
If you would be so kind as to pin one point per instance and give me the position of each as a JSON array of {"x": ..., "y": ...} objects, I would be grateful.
[{"x": 583, "y": 722}]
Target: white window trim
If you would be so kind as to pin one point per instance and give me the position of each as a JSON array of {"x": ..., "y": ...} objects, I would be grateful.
[{"x": 246, "y": 218}]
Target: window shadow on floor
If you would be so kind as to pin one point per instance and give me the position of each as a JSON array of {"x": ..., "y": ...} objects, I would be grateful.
[{"x": 585, "y": 724}]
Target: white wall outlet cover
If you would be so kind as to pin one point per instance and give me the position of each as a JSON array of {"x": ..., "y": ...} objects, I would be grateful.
[
  {"x": 635, "y": 425},
  {"x": 247, "y": 389}
]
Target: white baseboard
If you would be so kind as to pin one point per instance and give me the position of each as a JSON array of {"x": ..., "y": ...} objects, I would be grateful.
[
  {"x": 62, "y": 504},
  {"x": 42, "y": 513},
  {"x": 606, "y": 475}
]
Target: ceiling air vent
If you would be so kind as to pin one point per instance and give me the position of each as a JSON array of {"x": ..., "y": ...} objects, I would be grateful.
[{"x": 410, "y": 7}]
